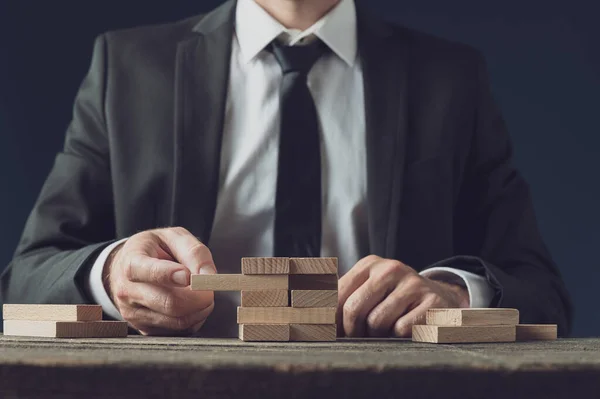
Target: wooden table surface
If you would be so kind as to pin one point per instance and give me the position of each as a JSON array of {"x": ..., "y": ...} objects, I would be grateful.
[{"x": 206, "y": 368}]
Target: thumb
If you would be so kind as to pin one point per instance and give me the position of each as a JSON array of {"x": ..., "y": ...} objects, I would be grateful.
[{"x": 188, "y": 250}]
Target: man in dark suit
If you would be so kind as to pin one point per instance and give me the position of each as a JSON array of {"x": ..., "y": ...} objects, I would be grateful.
[{"x": 286, "y": 128}]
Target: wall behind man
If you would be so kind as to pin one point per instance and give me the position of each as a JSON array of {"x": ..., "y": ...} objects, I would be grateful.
[{"x": 544, "y": 62}]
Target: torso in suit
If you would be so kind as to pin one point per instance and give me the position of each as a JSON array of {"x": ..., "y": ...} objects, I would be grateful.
[{"x": 143, "y": 151}]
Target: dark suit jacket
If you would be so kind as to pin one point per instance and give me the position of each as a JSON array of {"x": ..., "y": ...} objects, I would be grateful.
[{"x": 143, "y": 151}]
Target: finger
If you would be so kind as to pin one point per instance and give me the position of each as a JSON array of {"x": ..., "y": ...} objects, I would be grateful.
[
  {"x": 403, "y": 326},
  {"x": 171, "y": 302},
  {"x": 382, "y": 318},
  {"x": 360, "y": 304},
  {"x": 350, "y": 282},
  {"x": 188, "y": 250},
  {"x": 148, "y": 322},
  {"x": 140, "y": 268}
]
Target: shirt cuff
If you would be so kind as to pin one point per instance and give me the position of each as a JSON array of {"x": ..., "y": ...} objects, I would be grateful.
[
  {"x": 96, "y": 285},
  {"x": 480, "y": 291}
]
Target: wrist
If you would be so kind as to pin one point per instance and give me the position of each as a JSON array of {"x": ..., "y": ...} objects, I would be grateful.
[{"x": 107, "y": 271}]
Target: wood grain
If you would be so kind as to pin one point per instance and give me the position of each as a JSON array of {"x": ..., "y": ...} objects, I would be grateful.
[
  {"x": 265, "y": 266},
  {"x": 313, "y": 332},
  {"x": 537, "y": 332},
  {"x": 472, "y": 317},
  {"x": 314, "y": 299},
  {"x": 66, "y": 329},
  {"x": 52, "y": 312},
  {"x": 264, "y": 332},
  {"x": 304, "y": 282},
  {"x": 265, "y": 299},
  {"x": 313, "y": 265},
  {"x": 238, "y": 282},
  {"x": 463, "y": 334},
  {"x": 286, "y": 315}
]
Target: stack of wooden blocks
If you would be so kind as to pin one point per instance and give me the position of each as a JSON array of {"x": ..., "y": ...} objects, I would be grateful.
[
  {"x": 453, "y": 326},
  {"x": 282, "y": 299},
  {"x": 60, "y": 321}
]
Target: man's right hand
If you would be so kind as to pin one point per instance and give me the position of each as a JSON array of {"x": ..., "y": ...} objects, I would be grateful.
[{"x": 148, "y": 279}]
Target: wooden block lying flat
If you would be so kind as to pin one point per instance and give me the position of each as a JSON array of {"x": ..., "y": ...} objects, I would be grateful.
[
  {"x": 53, "y": 312},
  {"x": 66, "y": 329},
  {"x": 472, "y": 317},
  {"x": 314, "y": 299},
  {"x": 313, "y": 265},
  {"x": 313, "y": 332},
  {"x": 286, "y": 315},
  {"x": 265, "y": 265},
  {"x": 238, "y": 282},
  {"x": 264, "y": 332},
  {"x": 265, "y": 299},
  {"x": 327, "y": 282},
  {"x": 537, "y": 332},
  {"x": 463, "y": 334}
]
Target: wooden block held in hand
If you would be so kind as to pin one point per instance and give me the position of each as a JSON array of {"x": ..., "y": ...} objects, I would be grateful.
[
  {"x": 314, "y": 299},
  {"x": 328, "y": 282},
  {"x": 265, "y": 265},
  {"x": 238, "y": 282},
  {"x": 313, "y": 332},
  {"x": 537, "y": 332},
  {"x": 265, "y": 299},
  {"x": 286, "y": 315},
  {"x": 264, "y": 332},
  {"x": 313, "y": 266},
  {"x": 66, "y": 329},
  {"x": 53, "y": 312},
  {"x": 463, "y": 334},
  {"x": 472, "y": 317}
]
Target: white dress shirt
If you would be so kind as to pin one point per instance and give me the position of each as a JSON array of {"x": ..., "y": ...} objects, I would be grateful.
[{"x": 245, "y": 214}]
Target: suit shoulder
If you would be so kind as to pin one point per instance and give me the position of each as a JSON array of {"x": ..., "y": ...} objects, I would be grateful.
[{"x": 163, "y": 34}]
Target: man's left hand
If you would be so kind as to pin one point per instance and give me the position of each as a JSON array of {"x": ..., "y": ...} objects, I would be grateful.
[{"x": 383, "y": 297}]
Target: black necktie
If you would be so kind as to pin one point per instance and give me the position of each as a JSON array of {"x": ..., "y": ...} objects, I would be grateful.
[{"x": 298, "y": 198}]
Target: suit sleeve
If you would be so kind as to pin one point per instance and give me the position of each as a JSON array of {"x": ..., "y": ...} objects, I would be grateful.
[
  {"x": 73, "y": 217},
  {"x": 496, "y": 226}
]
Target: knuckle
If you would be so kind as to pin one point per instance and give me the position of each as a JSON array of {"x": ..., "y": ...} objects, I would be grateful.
[
  {"x": 403, "y": 330},
  {"x": 372, "y": 258},
  {"x": 375, "y": 320},
  {"x": 122, "y": 293},
  {"x": 351, "y": 311},
  {"x": 179, "y": 230}
]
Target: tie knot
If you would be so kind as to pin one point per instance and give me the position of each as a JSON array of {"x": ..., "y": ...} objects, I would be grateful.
[{"x": 297, "y": 58}]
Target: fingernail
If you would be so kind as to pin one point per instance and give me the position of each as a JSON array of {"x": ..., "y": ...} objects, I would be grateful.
[
  {"x": 180, "y": 278},
  {"x": 207, "y": 270}
]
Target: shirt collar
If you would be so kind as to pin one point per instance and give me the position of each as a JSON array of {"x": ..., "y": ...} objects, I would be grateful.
[{"x": 255, "y": 29}]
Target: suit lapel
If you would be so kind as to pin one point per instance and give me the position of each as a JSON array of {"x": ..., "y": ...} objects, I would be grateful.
[
  {"x": 202, "y": 75},
  {"x": 384, "y": 62}
]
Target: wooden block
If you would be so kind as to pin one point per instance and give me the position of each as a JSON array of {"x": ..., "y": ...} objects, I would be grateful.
[
  {"x": 314, "y": 299},
  {"x": 53, "y": 312},
  {"x": 463, "y": 334},
  {"x": 265, "y": 299},
  {"x": 537, "y": 332},
  {"x": 238, "y": 282},
  {"x": 265, "y": 265},
  {"x": 264, "y": 332},
  {"x": 66, "y": 329},
  {"x": 286, "y": 315},
  {"x": 313, "y": 266},
  {"x": 472, "y": 317},
  {"x": 313, "y": 332},
  {"x": 305, "y": 282}
]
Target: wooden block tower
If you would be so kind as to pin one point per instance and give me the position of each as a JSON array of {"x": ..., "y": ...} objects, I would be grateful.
[{"x": 282, "y": 299}]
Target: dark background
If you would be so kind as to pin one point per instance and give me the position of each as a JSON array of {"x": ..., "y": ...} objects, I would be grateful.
[{"x": 544, "y": 59}]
